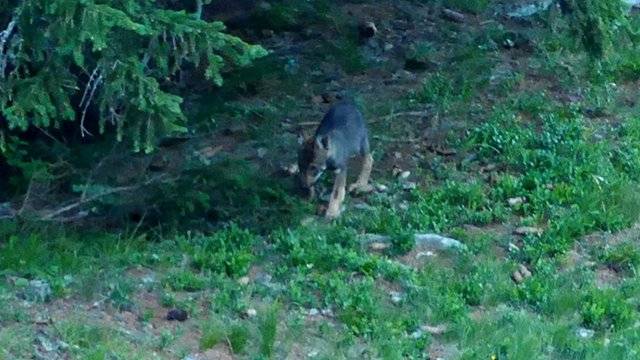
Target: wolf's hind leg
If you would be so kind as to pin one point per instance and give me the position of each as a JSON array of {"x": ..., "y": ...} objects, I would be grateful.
[{"x": 362, "y": 183}]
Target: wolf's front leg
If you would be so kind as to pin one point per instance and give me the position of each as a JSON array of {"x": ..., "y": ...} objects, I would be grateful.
[
  {"x": 362, "y": 184},
  {"x": 337, "y": 195}
]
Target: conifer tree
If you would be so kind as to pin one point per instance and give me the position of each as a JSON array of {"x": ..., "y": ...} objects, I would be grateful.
[{"x": 117, "y": 56}]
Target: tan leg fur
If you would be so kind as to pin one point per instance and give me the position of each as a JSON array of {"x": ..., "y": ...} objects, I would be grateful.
[
  {"x": 362, "y": 184},
  {"x": 337, "y": 195}
]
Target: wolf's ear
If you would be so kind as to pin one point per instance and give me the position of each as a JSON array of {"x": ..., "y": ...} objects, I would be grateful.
[{"x": 322, "y": 142}]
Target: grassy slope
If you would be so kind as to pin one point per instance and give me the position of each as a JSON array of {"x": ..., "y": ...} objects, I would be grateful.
[{"x": 526, "y": 122}]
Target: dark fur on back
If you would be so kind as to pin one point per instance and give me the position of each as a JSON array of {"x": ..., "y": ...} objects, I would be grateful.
[
  {"x": 345, "y": 126},
  {"x": 341, "y": 135}
]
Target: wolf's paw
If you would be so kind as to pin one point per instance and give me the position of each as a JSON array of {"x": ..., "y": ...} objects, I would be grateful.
[
  {"x": 332, "y": 214},
  {"x": 357, "y": 188}
]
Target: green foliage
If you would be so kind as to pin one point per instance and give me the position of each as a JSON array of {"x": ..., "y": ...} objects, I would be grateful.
[
  {"x": 359, "y": 306},
  {"x": 184, "y": 281},
  {"x": 606, "y": 309},
  {"x": 212, "y": 334},
  {"x": 623, "y": 257},
  {"x": 120, "y": 294},
  {"x": 228, "y": 251},
  {"x": 268, "y": 327},
  {"x": 228, "y": 191},
  {"x": 571, "y": 180},
  {"x": 94, "y": 341},
  {"x": 599, "y": 25},
  {"x": 119, "y": 56},
  {"x": 238, "y": 338}
]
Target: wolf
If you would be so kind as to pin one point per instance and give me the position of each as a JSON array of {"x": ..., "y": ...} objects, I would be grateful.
[{"x": 341, "y": 135}]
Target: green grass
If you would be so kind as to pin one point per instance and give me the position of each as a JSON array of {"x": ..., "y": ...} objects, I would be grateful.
[
  {"x": 268, "y": 327},
  {"x": 212, "y": 334},
  {"x": 233, "y": 239}
]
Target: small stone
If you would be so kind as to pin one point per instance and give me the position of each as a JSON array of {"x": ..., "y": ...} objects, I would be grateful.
[
  {"x": 382, "y": 188},
  {"x": 314, "y": 312},
  {"x": 244, "y": 281},
  {"x": 396, "y": 297},
  {"x": 488, "y": 168},
  {"x": 409, "y": 186},
  {"x": 313, "y": 353},
  {"x": 327, "y": 312},
  {"x": 42, "y": 319},
  {"x": 404, "y": 175},
  {"x": 516, "y": 201},
  {"x": 396, "y": 171},
  {"x": 513, "y": 247},
  {"x": 509, "y": 44},
  {"x": 524, "y": 271},
  {"x": 377, "y": 246},
  {"x": 422, "y": 254},
  {"x": 416, "y": 334},
  {"x": 528, "y": 230},
  {"x": 363, "y": 206},
  {"x": 517, "y": 277},
  {"x": 251, "y": 312},
  {"x": 585, "y": 333},
  {"x": 521, "y": 274},
  {"x": 262, "y": 152},
  {"x": 177, "y": 315},
  {"x": 317, "y": 99},
  {"x": 434, "y": 330},
  {"x": 388, "y": 47}
]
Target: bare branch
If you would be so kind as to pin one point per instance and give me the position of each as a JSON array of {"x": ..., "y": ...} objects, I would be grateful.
[
  {"x": 87, "y": 97},
  {"x": 405, "y": 113},
  {"x": 53, "y": 215},
  {"x": 199, "y": 6},
  {"x": 5, "y": 35}
]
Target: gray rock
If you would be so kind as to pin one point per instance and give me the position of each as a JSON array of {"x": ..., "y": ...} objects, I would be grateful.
[
  {"x": 409, "y": 186},
  {"x": 584, "y": 333},
  {"x": 37, "y": 291},
  {"x": 530, "y": 9}
]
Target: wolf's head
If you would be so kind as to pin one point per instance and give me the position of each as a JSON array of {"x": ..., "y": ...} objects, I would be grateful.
[{"x": 312, "y": 160}]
